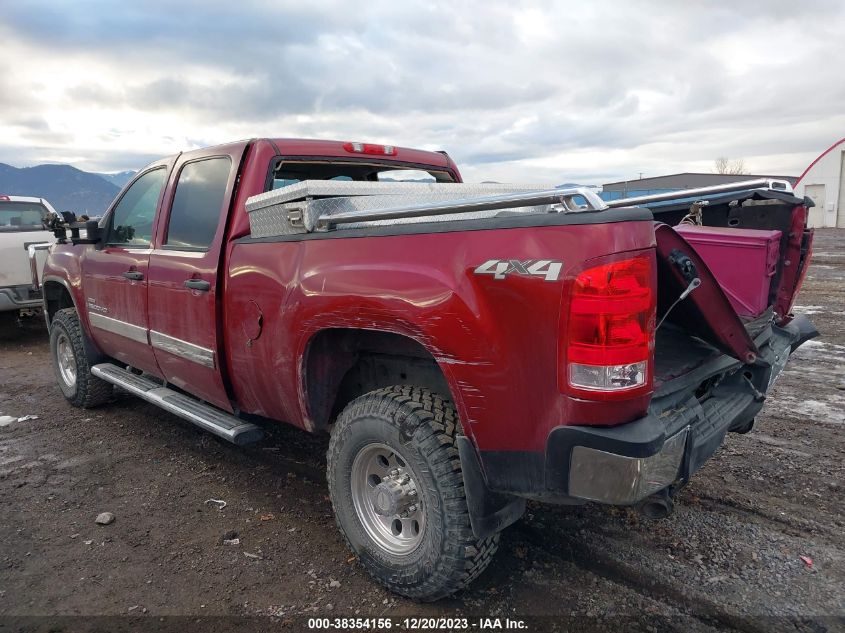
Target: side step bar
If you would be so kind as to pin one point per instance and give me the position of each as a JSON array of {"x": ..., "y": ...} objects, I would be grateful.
[{"x": 203, "y": 415}]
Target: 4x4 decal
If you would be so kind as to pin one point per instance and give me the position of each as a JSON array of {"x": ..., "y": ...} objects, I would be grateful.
[{"x": 548, "y": 269}]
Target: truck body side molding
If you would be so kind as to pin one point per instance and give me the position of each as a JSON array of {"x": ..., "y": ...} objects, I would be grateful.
[
  {"x": 183, "y": 349},
  {"x": 121, "y": 328}
]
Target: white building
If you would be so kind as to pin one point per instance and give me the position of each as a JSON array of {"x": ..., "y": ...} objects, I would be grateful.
[{"x": 824, "y": 182}]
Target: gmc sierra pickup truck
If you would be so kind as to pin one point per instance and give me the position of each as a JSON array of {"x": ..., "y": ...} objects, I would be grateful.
[{"x": 467, "y": 347}]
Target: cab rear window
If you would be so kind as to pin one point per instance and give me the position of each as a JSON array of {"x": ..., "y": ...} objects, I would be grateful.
[
  {"x": 22, "y": 216},
  {"x": 291, "y": 172}
]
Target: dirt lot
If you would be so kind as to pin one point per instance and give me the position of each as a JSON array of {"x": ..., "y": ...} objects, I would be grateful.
[{"x": 730, "y": 557}]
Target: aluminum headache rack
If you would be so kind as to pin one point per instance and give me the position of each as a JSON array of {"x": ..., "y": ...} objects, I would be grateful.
[{"x": 323, "y": 205}]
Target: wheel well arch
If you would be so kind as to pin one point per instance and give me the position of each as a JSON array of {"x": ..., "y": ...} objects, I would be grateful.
[
  {"x": 341, "y": 364},
  {"x": 56, "y": 297}
]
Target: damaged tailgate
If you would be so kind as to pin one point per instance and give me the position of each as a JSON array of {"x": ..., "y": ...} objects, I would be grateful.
[{"x": 706, "y": 311}]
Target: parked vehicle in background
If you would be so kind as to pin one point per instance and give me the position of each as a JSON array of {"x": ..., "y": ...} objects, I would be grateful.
[
  {"x": 468, "y": 347},
  {"x": 24, "y": 221}
]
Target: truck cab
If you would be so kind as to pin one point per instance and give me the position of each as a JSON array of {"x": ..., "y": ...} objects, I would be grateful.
[{"x": 149, "y": 291}]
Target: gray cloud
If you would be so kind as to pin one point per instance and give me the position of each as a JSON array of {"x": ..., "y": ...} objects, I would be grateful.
[{"x": 639, "y": 85}]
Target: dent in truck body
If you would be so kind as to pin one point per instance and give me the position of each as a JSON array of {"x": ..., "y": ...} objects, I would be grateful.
[{"x": 487, "y": 336}]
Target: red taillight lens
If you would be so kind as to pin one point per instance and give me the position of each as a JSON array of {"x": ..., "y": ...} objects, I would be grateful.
[
  {"x": 370, "y": 148},
  {"x": 610, "y": 331}
]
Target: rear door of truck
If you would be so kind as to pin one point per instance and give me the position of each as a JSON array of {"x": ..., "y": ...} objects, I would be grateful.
[{"x": 184, "y": 282}]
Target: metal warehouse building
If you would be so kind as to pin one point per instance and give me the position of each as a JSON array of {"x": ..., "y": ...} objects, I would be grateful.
[{"x": 824, "y": 182}]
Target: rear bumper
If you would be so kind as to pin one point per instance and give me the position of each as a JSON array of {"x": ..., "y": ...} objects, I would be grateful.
[
  {"x": 19, "y": 298},
  {"x": 624, "y": 464}
]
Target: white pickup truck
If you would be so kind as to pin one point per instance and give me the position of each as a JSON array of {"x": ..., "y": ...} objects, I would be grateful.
[{"x": 23, "y": 223}]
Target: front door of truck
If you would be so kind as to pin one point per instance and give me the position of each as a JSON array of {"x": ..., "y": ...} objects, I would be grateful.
[
  {"x": 115, "y": 277},
  {"x": 185, "y": 328}
]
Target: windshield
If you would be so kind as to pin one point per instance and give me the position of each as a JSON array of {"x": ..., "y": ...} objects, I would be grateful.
[{"x": 22, "y": 216}]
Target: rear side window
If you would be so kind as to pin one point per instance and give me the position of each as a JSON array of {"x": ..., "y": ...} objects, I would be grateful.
[
  {"x": 197, "y": 204},
  {"x": 22, "y": 216},
  {"x": 134, "y": 216}
]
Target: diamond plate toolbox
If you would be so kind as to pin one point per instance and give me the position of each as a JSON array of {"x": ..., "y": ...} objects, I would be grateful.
[{"x": 296, "y": 208}]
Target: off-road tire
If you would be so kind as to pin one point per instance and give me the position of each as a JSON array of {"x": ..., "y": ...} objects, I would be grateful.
[
  {"x": 423, "y": 426},
  {"x": 88, "y": 390}
]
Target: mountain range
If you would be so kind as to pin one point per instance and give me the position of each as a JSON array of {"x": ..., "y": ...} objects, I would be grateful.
[
  {"x": 66, "y": 188},
  {"x": 119, "y": 179}
]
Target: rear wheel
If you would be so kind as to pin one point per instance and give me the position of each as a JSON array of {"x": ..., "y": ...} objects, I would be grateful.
[
  {"x": 398, "y": 494},
  {"x": 72, "y": 364}
]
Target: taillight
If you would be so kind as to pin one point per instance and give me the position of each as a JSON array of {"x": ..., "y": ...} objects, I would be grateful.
[
  {"x": 609, "y": 341},
  {"x": 370, "y": 148}
]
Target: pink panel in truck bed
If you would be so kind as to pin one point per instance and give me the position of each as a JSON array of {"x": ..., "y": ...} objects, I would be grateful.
[{"x": 743, "y": 261}]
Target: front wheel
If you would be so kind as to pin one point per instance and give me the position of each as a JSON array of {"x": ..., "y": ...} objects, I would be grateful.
[
  {"x": 397, "y": 490},
  {"x": 72, "y": 364}
]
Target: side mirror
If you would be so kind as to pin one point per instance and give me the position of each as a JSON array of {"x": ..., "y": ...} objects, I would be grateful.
[
  {"x": 93, "y": 232},
  {"x": 66, "y": 229}
]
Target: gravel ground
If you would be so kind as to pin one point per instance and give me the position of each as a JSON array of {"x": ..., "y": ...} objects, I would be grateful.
[{"x": 756, "y": 536}]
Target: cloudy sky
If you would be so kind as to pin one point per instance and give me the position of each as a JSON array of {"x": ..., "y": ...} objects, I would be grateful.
[{"x": 523, "y": 91}]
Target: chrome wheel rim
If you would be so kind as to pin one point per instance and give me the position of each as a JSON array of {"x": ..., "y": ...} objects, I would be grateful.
[
  {"x": 66, "y": 360},
  {"x": 376, "y": 470}
]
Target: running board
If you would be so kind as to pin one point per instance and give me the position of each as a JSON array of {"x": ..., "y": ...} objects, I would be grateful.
[{"x": 203, "y": 415}]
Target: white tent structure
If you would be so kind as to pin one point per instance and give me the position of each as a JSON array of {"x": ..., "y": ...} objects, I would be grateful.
[{"x": 824, "y": 182}]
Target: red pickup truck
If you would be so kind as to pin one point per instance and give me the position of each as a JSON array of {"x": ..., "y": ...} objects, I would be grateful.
[{"x": 467, "y": 347}]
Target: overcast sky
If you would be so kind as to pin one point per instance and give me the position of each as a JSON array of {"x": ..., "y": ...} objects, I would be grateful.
[{"x": 520, "y": 91}]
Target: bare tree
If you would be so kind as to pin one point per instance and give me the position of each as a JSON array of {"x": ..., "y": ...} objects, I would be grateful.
[{"x": 724, "y": 165}]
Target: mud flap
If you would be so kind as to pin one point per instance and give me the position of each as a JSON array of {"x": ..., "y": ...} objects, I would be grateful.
[
  {"x": 489, "y": 512},
  {"x": 803, "y": 329}
]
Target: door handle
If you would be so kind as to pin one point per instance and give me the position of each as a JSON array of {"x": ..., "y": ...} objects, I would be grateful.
[
  {"x": 134, "y": 275},
  {"x": 197, "y": 284}
]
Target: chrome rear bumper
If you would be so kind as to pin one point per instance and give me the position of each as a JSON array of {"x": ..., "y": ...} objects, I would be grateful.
[{"x": 610, "y": 478}]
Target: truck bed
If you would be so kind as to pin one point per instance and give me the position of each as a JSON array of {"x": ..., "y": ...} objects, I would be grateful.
[{"x": 677, "y": 353}]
